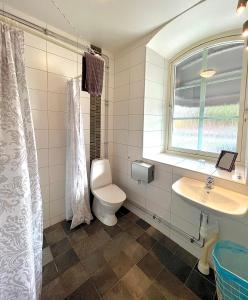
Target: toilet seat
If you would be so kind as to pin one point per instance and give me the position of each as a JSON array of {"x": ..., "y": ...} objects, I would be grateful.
[{"x": 110, "y": 194}]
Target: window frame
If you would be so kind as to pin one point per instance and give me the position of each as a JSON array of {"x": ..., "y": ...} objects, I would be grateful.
[{"x": 243, "y": 111}]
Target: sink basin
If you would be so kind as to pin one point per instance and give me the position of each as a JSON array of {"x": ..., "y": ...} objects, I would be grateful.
[{"x": 218, "y": 199}]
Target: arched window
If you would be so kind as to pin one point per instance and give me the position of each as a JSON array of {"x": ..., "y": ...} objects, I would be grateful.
[{"x": 205, "y": 111}]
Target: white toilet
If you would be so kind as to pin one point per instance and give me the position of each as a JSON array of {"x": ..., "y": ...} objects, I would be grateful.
[{"x": 108, "y": 197}]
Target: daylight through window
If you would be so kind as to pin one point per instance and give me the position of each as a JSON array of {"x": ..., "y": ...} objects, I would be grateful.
[{"x": 206, "y": 104}]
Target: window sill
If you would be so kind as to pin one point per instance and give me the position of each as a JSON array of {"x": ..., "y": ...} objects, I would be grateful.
[{"x": 197, "y": 165}]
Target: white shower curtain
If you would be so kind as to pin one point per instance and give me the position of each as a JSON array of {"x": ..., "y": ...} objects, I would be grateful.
[
  {"x": 77, "y": 189},
  {"x": 20, "y": 197}
]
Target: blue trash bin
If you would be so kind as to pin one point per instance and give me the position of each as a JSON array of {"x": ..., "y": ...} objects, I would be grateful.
[{"x": 231, "y": 270}]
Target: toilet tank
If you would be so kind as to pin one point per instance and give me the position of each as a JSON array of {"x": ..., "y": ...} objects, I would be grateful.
[{"x": 100, "y": 173}]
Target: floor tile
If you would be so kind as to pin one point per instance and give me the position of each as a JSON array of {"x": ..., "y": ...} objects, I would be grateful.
[
  {"x": 52, "y": 228},
  {"x": 104, "y": 279},
  {"x": 161, "y": 253},
  {"x": 179, "y": 268},
  {"x": 112, "y": 249},
  {"x": 54, "y": 234},
  {"x": 135, "y": 251},
  {"x": 86, "y": 247},
  {"x": 210, "y": 277},
  {"x": 94, "y": 262},
  {"x": 168, "y": 285},
  {"x": 132, "y": 217},
  {"x": 135, "y": 231},
  {"x": 153, "y": 294},
  {"x": 146, "y": 241},
  {"x": 60, "y": 247},
  {"x": 53, "y": 290},
  {"x": 187, "y": 257},
  {"x": 119, "y": 291},
  {"x": 112, "y": 230},
  {"x": 143, "y": 224},
  {"x": 123, "y": 239},
  {"x": 93, "y": 227},
  {"x": 83, "y": 248},
  {"x": 49, "y": 272},
  {"x": 169, "y": 244},
  {"x": 124, "y": 222},
  {"x": 187, "y": 294},
  {"x": 119, "y": 214},
  {"x": 73, "y": 278},
  {"x": 200, "y": 286},
  {"x": 156, "y": 234},
  {"x": 77, "y": 235},
  {"x": 150, "y": 266},
  {"x": 136, "y": 282},
  {"x": 121, "y": 264},
  {"x": 124, "y": 210},
  {"x": 66, "y": 260},
  {"x": 99, "y": 239},
  {"x": 86, "y": 291},
  {"x": 46, "y": 256}
]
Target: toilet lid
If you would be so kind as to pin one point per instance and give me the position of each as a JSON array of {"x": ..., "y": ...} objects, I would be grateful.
[{"x": 110, "y": 193}]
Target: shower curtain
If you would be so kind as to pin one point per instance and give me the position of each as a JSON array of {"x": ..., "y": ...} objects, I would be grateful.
[
  {"x": 77, "y": 189},
  {"x": 20, "y": 197}
]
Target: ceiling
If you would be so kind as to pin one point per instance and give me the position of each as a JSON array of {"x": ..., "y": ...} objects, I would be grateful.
[
  {"x": 208, "y": 19},
  {"x": 110, "y": 24}
]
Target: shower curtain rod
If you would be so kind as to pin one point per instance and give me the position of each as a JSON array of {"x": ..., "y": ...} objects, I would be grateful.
[
  {"x": 61, "y": 41},
  {"x": 50, "y": 35}
]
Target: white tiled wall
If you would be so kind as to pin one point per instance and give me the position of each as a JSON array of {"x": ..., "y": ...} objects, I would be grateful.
[
  {"x": 154, "y": 100},
  {"x": 137, "y": 80},
  {"x": 48, "y": 68},
  {"x": 141, "y": 93}
]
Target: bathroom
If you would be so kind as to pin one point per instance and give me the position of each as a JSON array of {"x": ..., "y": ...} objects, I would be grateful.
[{"x": 150, "y": 147}]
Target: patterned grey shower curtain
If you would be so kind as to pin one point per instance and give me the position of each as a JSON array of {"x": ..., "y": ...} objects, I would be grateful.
[{"x": 20, "y": 196}]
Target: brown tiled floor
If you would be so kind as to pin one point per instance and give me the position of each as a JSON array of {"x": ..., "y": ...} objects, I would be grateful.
[{"x": 131, "y": 260}]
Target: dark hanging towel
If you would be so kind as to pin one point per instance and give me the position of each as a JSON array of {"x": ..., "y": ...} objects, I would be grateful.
[
  {"x": 84, "y": 74},
  {"x": 92, "y": 74}
]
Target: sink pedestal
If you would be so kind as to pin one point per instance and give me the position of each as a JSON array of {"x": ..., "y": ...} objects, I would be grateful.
[{"x": 203, "y": 265}]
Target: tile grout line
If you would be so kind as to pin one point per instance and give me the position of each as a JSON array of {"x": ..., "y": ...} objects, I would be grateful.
[{"x": 185, "y": 283}]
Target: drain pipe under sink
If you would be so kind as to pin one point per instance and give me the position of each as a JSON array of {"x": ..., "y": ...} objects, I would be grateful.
[{"x": 205, "y": 230}]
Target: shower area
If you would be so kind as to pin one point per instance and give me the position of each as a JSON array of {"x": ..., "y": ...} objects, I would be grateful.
[{"x": 50, "y": 129}]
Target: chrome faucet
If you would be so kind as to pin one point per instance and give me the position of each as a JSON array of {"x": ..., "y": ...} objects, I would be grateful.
[{"x": 209, "y": 183}]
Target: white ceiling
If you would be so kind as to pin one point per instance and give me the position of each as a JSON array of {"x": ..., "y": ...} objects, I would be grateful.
[
  {"x": 205, "y": 20},
  {"x": 110, "y": 24}
]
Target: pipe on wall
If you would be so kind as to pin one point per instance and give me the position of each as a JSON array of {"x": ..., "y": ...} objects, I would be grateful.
[{"x": 198, "y": 241}]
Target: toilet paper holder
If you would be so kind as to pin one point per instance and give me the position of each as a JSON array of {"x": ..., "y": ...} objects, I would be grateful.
[{"x": 142, "y": 171}]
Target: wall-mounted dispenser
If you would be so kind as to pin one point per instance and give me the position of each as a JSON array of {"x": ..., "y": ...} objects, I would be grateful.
[{"x": 142, "y": 171}]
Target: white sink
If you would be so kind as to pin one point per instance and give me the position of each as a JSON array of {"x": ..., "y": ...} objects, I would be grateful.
[{"x": 217, "y": 199}]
